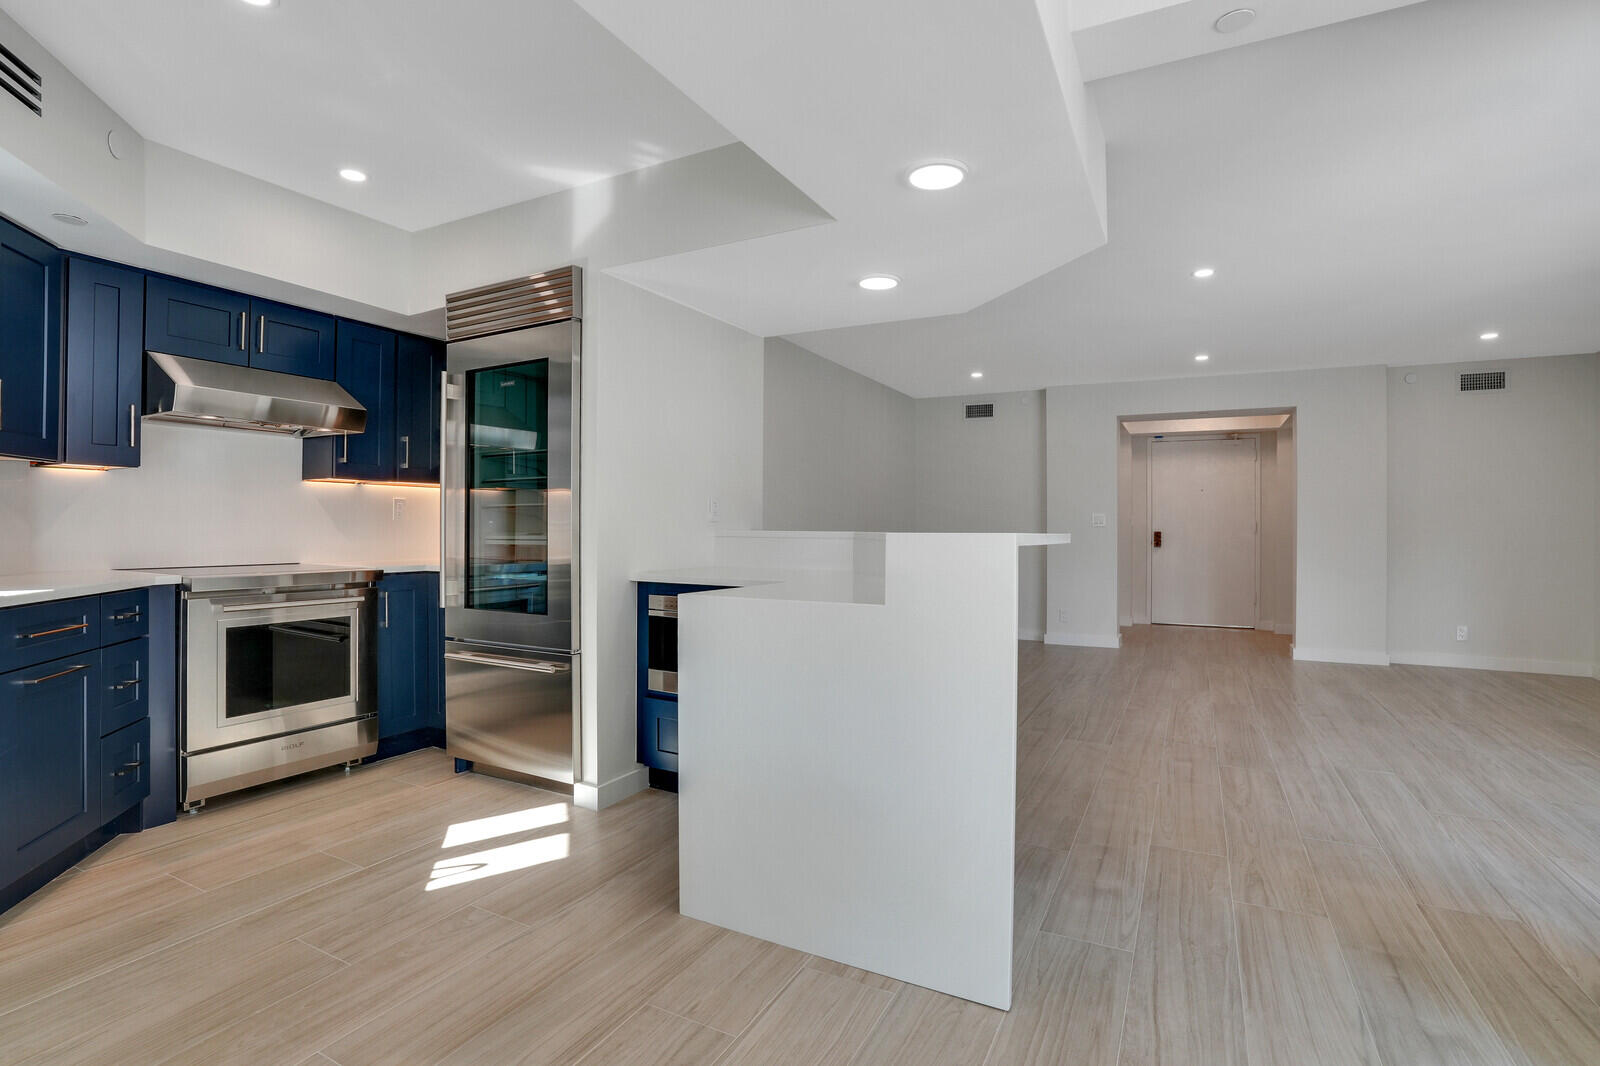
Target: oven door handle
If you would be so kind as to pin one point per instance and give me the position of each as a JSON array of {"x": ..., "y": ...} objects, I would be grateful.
[
  {"x": 535, "y": 666},
  {"x": 273, "y": 605}
]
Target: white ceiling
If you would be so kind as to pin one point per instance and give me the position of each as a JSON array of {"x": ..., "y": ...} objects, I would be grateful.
[
  {"x": 1378, "y": 191},
  {"x": 451, "y": 108},
  {"x": 842, "y": 98}
]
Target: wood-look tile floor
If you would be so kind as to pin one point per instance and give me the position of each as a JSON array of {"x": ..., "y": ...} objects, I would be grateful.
[{"x": 1224, "y": 857}]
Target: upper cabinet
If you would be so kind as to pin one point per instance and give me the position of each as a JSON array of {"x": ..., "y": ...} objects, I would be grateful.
[
  {"x": 30, "y": 346},
  {"x": 182, "y": 318},
  {"x": 419, "y": 364},
  {"x": 291, "y": 340},
  {"x": 105, "y": 363},
  {"x": 365, "y": 368}
]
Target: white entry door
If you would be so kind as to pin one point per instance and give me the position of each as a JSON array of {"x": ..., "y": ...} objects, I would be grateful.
[{"x": 1204, "y": 505}]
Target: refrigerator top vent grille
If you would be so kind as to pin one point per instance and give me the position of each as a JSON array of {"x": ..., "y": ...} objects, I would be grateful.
[
  {"x": 980, "y": 410},
  {"x": 21, "y": 81},
  {"x": 1483, "y": 380},
  {"x": 535, "y": 300}
]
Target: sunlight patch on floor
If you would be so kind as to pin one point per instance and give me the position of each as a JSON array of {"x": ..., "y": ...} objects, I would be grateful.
[
  {"x": 501, "y": 825},
  {"x": 460, "y": 869}
]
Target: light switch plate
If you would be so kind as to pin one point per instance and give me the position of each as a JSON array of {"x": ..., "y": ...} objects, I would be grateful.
[
  {"x": 715, "y": 512},
  {"x": 1461, "y": 632},
  {"x": 397, "y": 507},
  {"x": 1097, "y": 519}
]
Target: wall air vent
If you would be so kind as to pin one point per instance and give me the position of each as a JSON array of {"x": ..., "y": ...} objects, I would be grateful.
[
  {"x": 980, "y": 410},
  {"x": 1483, "y": 380},
  {"x": 554, "y": 296},
  {"x": 21, "y": 81}
]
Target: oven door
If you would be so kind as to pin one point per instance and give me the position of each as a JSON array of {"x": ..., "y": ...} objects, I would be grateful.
[{"x": 264, "y": 665}]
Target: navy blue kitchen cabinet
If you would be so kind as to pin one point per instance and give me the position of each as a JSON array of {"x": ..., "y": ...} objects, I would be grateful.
[
  {"x": 657, "y": 726},
  {"x": 30, "y": 346},
  {"x": 419, "y": 361},
  {"x": 410, "y": 654},
  {"x": 105, "y": 363},
  {"x": 52, "y": 713},
  {"x": 182, "y": 318},
  {"x": 366, "y": 370},
  {"x": 292, "y": 340},
  {"x": 76, "y": 757}
]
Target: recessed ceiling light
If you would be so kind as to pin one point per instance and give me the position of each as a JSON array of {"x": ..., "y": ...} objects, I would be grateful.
[
  {"x": 977, "y": 373},
  {"x": 1205, "y": 272},
  {"x": 261, "y": 3},
  {"x": 1201, "y": 358},
  {"x": 352, "y": 174},
  {"x": 879, "y": 282},
  {"x": 1235, "y": 20},
  {"x": 71, "y": 220},
  {"x": 1490, "y": 336},
  {"x": 935, "y": 177}
]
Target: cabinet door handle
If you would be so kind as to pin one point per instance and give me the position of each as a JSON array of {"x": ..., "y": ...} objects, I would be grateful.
[
  {"x": 127, "y": 768},
  {"x": 345, "y": 458},
  {"x": 385, "y": 594},
  {"x": 54, "y": 632},
  {"x": 127, "y": 616},
  {"x": 133, "y": 425},
  {"x": 120, "y": 685},
  {"x": 261, "y": 334},
  {"x": 58, "y": 673},
  {"x": 405, "y": 463},
  {"x": 244, "y": 327},
  {"x": 2, "y": 403}
]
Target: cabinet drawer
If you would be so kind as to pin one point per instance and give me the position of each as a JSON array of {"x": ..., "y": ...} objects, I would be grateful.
[
  {"x": 124, "y": 615},
  {"x": 124, "y": 685},
  {"x": 43, "y": 631},
  {"x": 124, "y": 770}
]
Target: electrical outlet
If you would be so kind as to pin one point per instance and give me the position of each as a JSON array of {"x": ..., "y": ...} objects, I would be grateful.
[
  {"x": 1097, "y": 519},
  {"x": 1461, "y": 632},
  {"x": 1061, "y": 615},
  {"x": 397, "y": 507},
  {"x": 715, "y": 513}
]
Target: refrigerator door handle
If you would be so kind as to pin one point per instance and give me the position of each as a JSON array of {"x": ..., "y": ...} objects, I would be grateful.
[{"x": 536, "y": 666}]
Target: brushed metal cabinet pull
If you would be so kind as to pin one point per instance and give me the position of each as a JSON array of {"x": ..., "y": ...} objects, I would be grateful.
[
  {"x": 127, "y": 616},
  {"x": 120, "y": 685},
  {"x": 127, "y": 768},
  {"x": 261, "y": 334},
  {"x": 385, "y": 594},
  {"x": 405, "y": 464},
  {"x": 58, "y": 673},
  {"x": 53, "y": 632},
  {"x": 244, "y": 327},
  {"x": 133, "y": 425}
]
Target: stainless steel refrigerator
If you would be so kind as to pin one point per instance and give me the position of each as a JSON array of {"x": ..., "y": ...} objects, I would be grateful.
[{"x": 509, "y": 525}]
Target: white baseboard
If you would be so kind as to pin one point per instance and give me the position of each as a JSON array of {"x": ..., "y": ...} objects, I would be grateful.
[
  {"x": 594, "y": 797},
  {"x": 1490, "y": 662},
  {"x": 1284, "y": 629},
  {"x": 1084, "y": 640},
  {"x": 1030, "y": 634},
  {"x": 1341, "y": 655}
]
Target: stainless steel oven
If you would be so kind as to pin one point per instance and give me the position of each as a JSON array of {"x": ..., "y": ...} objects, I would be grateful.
[{"x": 278, "y": 676}]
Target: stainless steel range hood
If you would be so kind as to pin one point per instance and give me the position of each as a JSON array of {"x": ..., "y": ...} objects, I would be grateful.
[{"x": 201, "y": 392}]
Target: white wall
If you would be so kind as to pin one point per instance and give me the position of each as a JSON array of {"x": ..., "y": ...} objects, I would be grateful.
[
  {"x": 672, "y": 417},
  {"x": 1492, "y": 516},
  {"x": 839, "y": 447},
  {"x": 1341, "y": 520},
  {"x": 205, "y": 496},
  {"x": 986, "y": 475}
]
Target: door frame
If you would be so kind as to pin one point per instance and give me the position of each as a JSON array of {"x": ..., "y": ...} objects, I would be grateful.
[{"x": 1150, "y": 513}]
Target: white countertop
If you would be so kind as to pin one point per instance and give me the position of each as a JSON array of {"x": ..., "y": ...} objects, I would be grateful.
[
  {"x": 404, "y": 566},
  {"x": 18, "y": 589}
]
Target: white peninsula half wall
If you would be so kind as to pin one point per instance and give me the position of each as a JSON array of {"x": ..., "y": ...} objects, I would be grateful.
[{"x": 847, "y": 748}]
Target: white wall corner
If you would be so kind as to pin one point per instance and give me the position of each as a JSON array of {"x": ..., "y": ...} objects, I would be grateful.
[
  {"x": 1284, "y": 629},
  {"x": 593, "y": 797},
  {"x": 1084, "y": 640},
  {"x": 1125, "y": 620},
  {"x": 1030, "y": 633},
  {"x": 1355, "y": 656},
  {"x": 1563, "y": 668}
]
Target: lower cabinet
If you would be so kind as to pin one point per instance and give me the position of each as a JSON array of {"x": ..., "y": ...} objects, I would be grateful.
[
  {"x": 658, "y": 664},
  {"x": 410, "y": 654},
  {"x": 74, "y": 747}
]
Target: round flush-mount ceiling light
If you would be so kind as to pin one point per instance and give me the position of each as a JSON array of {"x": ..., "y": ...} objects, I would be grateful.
[
  {"x": 1205, "y": 272},
  {"x": 1235, "y": 20},
  {"x": 937, "y": 176},
  {"x": 879, "y": 282},
  {"x": 71, "y": 220},
  {"x": 352, "y": 175},
  {"x": 1490, "y": 336}
]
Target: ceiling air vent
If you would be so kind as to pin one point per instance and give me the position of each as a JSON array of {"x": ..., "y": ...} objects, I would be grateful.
[
  {"x": 553, "y": 296},
  {"x": 1483, "y": 381},
  {"x": 980, "y": 410},
  {"x": 21, "y": 81}
]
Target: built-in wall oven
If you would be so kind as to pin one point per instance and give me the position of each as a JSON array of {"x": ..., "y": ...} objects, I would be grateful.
[{"x": 278, "y": 675}]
